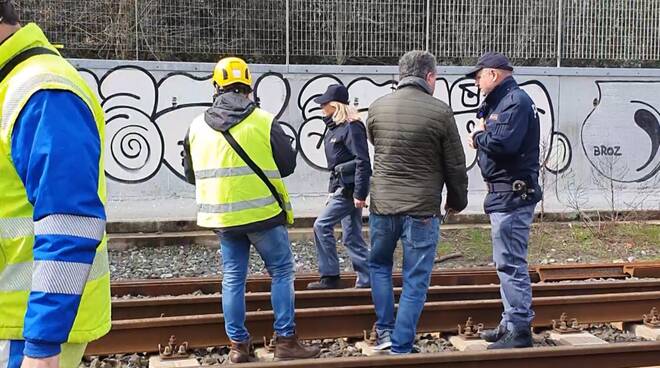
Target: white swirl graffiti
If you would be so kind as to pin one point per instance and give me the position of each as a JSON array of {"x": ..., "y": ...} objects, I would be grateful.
[
  {"x": 134, "y": 145},
  {"x": 130, "y": 145}
]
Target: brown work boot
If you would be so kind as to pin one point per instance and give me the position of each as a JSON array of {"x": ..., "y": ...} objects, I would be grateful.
[
  {"x": 288, "y": 348},
  {"x": 240, "y": 352}
]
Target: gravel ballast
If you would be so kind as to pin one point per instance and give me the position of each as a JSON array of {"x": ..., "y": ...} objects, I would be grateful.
[{"x": 197, "y": 260}]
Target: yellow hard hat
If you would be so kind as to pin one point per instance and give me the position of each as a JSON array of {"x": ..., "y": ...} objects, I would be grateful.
[{"x": 232, "y": 70}]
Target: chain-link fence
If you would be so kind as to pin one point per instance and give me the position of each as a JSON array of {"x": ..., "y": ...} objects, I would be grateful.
[
  {"x": 531, "y": 32},
  {"x": 204, "y": 29},
  {"x": 366, "y": 31},
  {"x": 623, "y": 30},
  {"x": 525, "y": 30}
]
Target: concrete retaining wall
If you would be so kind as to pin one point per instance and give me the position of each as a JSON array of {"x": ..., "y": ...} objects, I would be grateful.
[{"x": 600, "y": 130}]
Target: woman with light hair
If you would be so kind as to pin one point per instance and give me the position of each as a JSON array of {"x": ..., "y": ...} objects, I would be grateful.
[{"x": 347, "y": 153}]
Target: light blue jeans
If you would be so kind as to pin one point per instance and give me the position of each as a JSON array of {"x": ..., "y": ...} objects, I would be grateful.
[
  {"x": 341, "y": 209},
  {"x": 274, "y": 247},
  {"x": 510, "y": 234},
  {"x": 419, "y": 237}
]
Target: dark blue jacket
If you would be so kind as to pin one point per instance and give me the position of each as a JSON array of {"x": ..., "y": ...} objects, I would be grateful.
[
  {"x": 343, "y": 143},
  {"x": 508, "y": 149}
]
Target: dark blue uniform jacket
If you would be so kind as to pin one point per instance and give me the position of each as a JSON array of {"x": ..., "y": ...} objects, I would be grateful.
[
  {"x": 346, "y": 142},
  {"x": 508, "y": 149}
]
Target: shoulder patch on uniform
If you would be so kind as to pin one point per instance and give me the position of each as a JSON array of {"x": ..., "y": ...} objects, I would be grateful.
[{"x": 492, "y": 117}]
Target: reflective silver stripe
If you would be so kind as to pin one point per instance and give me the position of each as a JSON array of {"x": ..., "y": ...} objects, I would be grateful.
[
  {"x": 16, "y": 277},
  {"x": 59, "y": 277},
  {"x": 80, "y": 226},
  {"x": 233, "y": 171},
  {"x": 17, "y": 227},
  {"x": 4, "y": 353},
  {"x": 100, "y": 266},
  {"x": 23, "y": 84},
  {"x": 236, "y": 206}
]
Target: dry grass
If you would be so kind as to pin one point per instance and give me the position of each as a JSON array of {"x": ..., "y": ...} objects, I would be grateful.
[{"x": 561, "y": 243}]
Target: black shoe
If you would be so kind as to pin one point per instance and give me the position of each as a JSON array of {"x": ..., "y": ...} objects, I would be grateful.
[
  {"x": 493, "y": 335},
  {"x": 326, "y": 282},
  {"x": 519, "y": 337}
]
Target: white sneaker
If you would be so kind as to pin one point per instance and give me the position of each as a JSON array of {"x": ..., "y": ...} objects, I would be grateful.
[
  {"x": 384, "y": 340},
  {"x": 383, "y": 346},
  {"x": 395, "y": 353}
]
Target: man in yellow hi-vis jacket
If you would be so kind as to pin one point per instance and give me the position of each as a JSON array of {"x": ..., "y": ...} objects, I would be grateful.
[
  {"x": 54, "y": 277},
  {"x": 237, "y": 154}
]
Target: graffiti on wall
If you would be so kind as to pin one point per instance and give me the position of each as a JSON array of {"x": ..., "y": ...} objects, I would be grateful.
[
  {"x": 147, "y": 119},
  {"x": 462, "y": 96},
  {"x": 621, "y": 135}
]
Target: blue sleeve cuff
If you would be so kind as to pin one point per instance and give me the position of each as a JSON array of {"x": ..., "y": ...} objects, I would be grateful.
[{"x": 41, "y": 349}]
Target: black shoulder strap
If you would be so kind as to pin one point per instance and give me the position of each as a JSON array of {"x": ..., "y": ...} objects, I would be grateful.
[
  {"x": 257, "y": 170},
  {"x": 21, "y": 57}
]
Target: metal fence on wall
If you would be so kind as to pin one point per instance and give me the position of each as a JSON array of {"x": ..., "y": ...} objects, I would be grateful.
[
  {"x": 360, "y": 29},
  {"x": 524, "y": 30},
  {"x": 531, "y": 32},
  {"x": 620, "y": 30}
]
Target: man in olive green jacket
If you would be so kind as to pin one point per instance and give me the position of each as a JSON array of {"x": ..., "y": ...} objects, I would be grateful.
[{"x": 418, "y": 152}]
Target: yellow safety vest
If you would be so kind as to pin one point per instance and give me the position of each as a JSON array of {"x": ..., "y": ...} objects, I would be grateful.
[
  {"x": 228, "y": 192},
  {"x": 17, "y": 228}
]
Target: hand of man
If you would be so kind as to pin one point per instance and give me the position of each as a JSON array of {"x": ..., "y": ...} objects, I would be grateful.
[
  {"x": 450, "y": 211},
  {"x": 50, "y": 362},
  {"x": 359, "y": 204},
  {"x": 470, "y": 140},
  {"x": 481, "y": 126}
]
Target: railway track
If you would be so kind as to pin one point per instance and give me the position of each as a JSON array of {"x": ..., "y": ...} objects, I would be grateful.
[
  {"x": 448, "y": 277},
  {"x": 124, "y": 309},
  {"x": 140, "y": 324},
  {"x": 350, "y": 321}
]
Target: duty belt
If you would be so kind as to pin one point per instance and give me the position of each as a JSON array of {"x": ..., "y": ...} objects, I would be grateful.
[
  {"x": 519, "y": 187},
  {"x": 499, "y": 187}
]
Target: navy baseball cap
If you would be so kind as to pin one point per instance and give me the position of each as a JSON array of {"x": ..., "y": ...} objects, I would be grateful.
[
  {"x": 335, "y": 92},
  {"x": 493, "y": 60}
]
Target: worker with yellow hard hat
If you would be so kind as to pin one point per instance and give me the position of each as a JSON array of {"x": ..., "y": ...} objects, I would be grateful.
[{"x": 236, "y": 154}]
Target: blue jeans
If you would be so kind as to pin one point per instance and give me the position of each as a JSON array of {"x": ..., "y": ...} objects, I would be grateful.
[
  {"x": 420, "y": 240},
  {"x": 341, "y": 209},
  {"x": 510, "y": 234},
  {"x": 274, "y": 247}
]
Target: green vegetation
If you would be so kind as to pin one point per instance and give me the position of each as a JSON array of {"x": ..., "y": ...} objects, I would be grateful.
[{"x": 561, "y": 243}]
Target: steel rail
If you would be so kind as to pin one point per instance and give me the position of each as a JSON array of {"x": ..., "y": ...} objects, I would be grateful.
[
  {"x": 208, "y": 304},
  {"x": 329, "y": 322},
  {"x": 208, "y": 285},
  {"x": 446, "y": 277}
]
